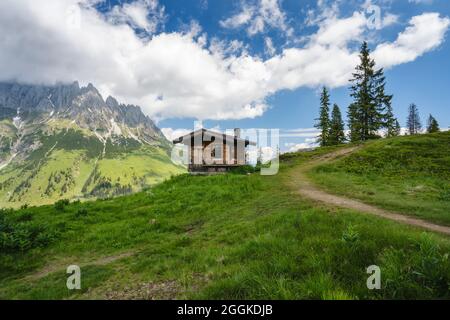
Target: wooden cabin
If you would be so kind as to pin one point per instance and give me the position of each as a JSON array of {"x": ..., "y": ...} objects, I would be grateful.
[{"x": 210, "y": 152}]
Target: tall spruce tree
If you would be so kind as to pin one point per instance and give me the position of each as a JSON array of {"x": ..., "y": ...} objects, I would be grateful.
[
  {"x": 396, "y": 130},
  {"x": 369, "y": 111},
  {"x": 323, "y": 122},
  {"x": 390, "y": 122},
  {"x": 432, "y": 125},
  {"x": 336, "y": 134},
  {"x": 413, "y": 123},
  {"x": 354, "y": 123}
]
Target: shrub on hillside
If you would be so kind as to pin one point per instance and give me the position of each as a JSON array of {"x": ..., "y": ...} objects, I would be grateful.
[
  {"x": 245, "y": 169},
  {"x": 19, "y": 233},
  {"x": 423, "y": 273},
  {"x": 82, "y": 212},
  {"x": 350, "y": 235},
  {"x": 61, "y": 204}
]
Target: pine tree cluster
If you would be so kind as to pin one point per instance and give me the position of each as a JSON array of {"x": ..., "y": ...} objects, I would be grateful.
[{"x": 371, "y": 111}]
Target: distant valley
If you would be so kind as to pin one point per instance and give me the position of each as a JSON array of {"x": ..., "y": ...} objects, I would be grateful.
[{"x": 66, "y": 141}]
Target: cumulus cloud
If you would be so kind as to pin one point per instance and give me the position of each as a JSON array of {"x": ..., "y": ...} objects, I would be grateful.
[
  {"x": 240, "y": 19},
  {"x": 256, "y": 16},
  {"x": 143, "y": 14},
  {"x": 307, "y": 144},
  {"x": 294, "y": 147},
  {"x": 338, "y": 32},
  {"x": 424, "y": 33},
  {"x": 172, "y": 134},
  {"x": 184, "y": 74},
  {"x": 323, "y": 12},
  {"x": 269, "y": 47}
]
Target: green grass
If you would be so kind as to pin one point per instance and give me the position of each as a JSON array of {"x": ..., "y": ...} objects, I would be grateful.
[
  {"x": 143, "y": 166},
  {"x": 406, "y": 174},
  {"x": 7, "y": 137},
  {"x": 222, "y": 237},
  {"x": 70, "y": 164}
]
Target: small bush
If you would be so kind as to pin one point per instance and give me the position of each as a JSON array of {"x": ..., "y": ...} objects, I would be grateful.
[
  {"x": 444, "y": 195},
  {"x": 423, "y": 273},
  {"x": 25, "y": 216},
  {"x": 350, "y": 235},
  {"x": 245, "y": 169},
  {"x": 82, "y": 212},
  {"x": 17, "y": 234},
  {"x": 61, "y": 204},
  {"x": 432, "y": 267}
]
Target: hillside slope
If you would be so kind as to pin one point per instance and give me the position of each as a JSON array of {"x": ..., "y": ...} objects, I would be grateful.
[
  {"x": 217, "y": 237},
  {"x": 65, "y": 141},
  {"x": 409, "y": 175}
]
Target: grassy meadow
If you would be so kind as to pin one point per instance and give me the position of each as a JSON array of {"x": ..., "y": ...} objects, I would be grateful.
[
  {"x": 410, "y": 175},
  {"x": 73, "y": 165},
  {"x": 231, "y": 236}
]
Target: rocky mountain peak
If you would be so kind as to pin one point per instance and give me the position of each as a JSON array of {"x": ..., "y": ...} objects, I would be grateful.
[
  {"x": 112, "y": 102},
  {"x": 83, "y": 106}
]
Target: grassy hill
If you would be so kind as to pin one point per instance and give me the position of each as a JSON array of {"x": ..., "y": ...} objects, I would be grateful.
[
  {"x": 73, "y": 164},
  {"x": 221, "y": 237},
  {"x": 408, "y": 174},
  {"x": 67, "y": 142}
]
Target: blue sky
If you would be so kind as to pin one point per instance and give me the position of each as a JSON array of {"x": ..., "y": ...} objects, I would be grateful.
[
  {"x": 244, "y": 63},
  {"x": 425, "y": 81}
]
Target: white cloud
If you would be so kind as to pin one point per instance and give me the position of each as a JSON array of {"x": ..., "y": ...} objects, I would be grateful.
[
  {"x": 143, "y": 14},
  {"x": 172, "y": 134},
  {"x": 424, "y": 33},
  {"x": 222, "y": 48},
  {"x": 323, "y": 12},
  {"x": 389, "y": 19},
  {"x": 257, "y": 16},
  {"x": 308, "y": 137},
  {"x": 239, "y": 19},
  {"x": 338, "y": 32},
  {"x": 311, "y": 140},
  {"x": 183, "y": 74},
  {"x": 269, "y": 47},
  {"x": 300, "y": 146}
]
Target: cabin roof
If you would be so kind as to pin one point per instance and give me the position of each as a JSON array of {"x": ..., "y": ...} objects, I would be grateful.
[{"x": 187, "y": 138}]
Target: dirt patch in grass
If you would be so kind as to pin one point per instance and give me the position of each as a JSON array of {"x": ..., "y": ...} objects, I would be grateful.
[
  {"x": 160, "y": 290},
  {"x": 166, "y": 290},
  {"x": 58, "y": 266}
]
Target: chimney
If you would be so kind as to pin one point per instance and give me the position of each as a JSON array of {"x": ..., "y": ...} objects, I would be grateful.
[{"x": 237, "y": 132}]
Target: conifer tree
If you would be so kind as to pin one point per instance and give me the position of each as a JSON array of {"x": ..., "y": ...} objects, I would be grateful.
[
  {"x": 336, "y": 134},
  {"x": 432, "y": 125},
  {"x": 396, "y": 130},
  {"x": 354, "y": 123},
  {"x": 390, "y": 122},
  {"x": 371, "y": 109},
  {"x": 413, "y": 122},
  {"x": 323, "y": 122}
]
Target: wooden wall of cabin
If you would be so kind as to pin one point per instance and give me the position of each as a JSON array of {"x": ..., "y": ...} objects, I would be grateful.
[{"x": 197, "y": 154}]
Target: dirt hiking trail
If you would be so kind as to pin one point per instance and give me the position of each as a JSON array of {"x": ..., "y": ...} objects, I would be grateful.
[
  {"x": 62, "y": 265},
  {"x": 299, "y": 180}
]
